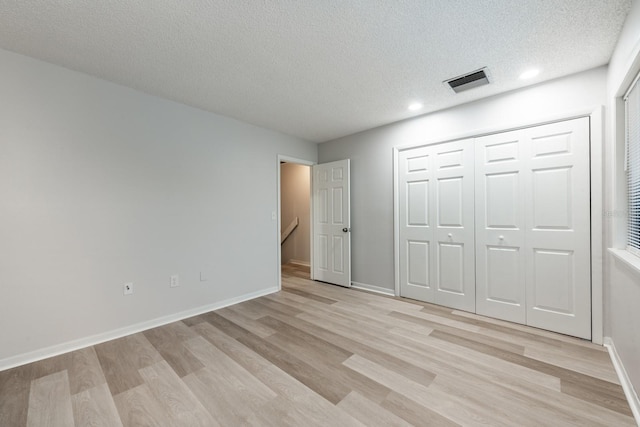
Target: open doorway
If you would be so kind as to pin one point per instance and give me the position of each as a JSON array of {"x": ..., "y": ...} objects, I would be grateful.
[{"x": 295, "y": 220}]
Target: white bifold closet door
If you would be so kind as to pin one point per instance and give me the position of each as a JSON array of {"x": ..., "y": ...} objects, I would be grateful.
[
  {"x": 533, "y": 227},
  {"x": 436, "y": 224}
]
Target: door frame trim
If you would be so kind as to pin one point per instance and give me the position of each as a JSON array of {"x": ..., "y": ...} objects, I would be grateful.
[
  {"x": 288, "y": 159},
  {"x": 596, "y": 133}
]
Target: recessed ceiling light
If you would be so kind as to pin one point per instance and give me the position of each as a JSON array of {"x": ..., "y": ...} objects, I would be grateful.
[
  {"x": 529, "y": 74},
  {"x": 415, "y": 106}
]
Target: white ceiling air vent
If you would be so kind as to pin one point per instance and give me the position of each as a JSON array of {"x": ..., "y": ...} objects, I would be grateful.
[{"x": 468, "y": 81}]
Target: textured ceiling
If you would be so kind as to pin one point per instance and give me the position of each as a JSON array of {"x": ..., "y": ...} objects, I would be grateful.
[{"x": 317, "y": 69}]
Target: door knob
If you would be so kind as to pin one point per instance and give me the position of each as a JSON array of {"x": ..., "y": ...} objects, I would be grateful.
[
  {"x": 450, "y": 235},
  {"x": 501, "y": 237},
  {"x": 345, "y": 230}
]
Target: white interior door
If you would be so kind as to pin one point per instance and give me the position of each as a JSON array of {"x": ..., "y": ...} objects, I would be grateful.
[
  {"x": 558, "y": 226},
  {"x": 331, "y": 223},
  {"x": 416, "y": 211},
  {"x": 436, "y": 224},
  {"x": 500, "y": 228}
]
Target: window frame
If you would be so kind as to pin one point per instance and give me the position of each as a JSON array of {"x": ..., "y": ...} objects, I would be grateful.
[{"x": 632, "y": 166}]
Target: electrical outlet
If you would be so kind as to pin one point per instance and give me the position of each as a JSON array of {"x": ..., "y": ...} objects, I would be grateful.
[
  {"x": 128, "y": 288},
  {"x": 174, "y": 282}
]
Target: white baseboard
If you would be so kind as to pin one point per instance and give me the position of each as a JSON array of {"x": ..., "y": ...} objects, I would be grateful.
[
  {"x": 34, "y": 356},
  {"x": 372, "y": 288},
  {"x": 627, "y": 386}
]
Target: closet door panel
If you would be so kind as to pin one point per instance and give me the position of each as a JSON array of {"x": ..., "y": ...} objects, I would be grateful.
[
  {"x": 436, "y": 221},
  {"x": 499, "y": 223},
  {"x": 416, "y": 213},
  {"x": 558, "y": 228},
  {"x": 454, "y": 231}
]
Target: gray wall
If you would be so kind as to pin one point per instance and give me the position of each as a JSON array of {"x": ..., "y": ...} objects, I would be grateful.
[
  {"x": 295, "y": 201},
  {"x": 371, "y": 155},
  {"x": 102, "y": 185},
  {"x": 622, "y": 283}
]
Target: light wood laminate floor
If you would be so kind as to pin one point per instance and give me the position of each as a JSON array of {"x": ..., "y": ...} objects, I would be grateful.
[{"x": 316, "y": 354}]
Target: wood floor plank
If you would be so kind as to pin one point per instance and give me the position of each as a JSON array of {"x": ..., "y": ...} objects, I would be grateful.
[
  {"x": 50, "y": 401},
  {"x": 281, "y": 412},
  {"x": 250, "y": 311},
  {"x": 414, "y": 413},
  {"x": 311, "y": 296},
  {"x": 120, "y": 360},
  {"x": 192, "y": 321},
  {"x": 228, "y": 400},
  {"x": 370, "y": 413},
  {"x": 333, "y": 371},
  {"x": 439, "y": 403},
  {"x": 95, "y": 407},
  {"x": 270, "y": 375},
  {"x": 304, "y": 411},
  {"x": 241, "y": 354},
  {"x": 182, "y": 407},
  {"x": 501, "y": 403},
  {"x": 473, "y": 336},
  {"x": 301, "y": 338},
  {"x": 296, "y": 270},
  {"x": 598, "y": 391},
  {"x": 85, "y": 371},
  {"x": 490, "y": 371},
  {"x": 362, "y": 348},
  {"x": 326, "y": 357},
  {"x": 15, "y": 385},
  {"x": 569, "y": 352},
  {"x": 348, "y": 312},
  {"x": 299, "y": 403},
  {"x": 520, "y": 332},
  {"x": 382, "y": 375},
  {"x": 299, "y": 302},
  {"x": 51, "y": 365},
  {"x": 296, "y": 403},
  {"x": 228, "y": 391},
  {"x": 481, "y": 364},
  {"x": 169, "y": 341},
  {"x": 579, "y": 359},
  {"x": 138, "y": 407},
  {"x": 302, "y": 371},
  {"x": 247, "y": 323},
  {"x": 357, "y": 296},
  {"x": 431, "y": 319},
  {"x": 391, "y": 304},
  {"x": 273, "y": 305},
  {"x": 303, "y": 352}
]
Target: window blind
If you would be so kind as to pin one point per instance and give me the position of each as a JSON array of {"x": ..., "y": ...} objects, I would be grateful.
[{"x": 632, "y": 166}]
